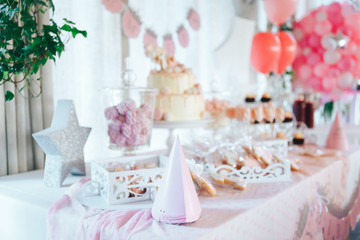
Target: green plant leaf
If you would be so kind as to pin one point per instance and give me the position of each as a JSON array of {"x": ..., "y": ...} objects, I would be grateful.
[
  {"x": 9, "y": 96},
  {"x": 68, "y": 21},
  {"x": 66, "y": 27}
]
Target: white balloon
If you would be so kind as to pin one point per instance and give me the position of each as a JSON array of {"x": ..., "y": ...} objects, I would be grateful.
[
  {"x": 321, "y": 16},
  {"x": 331, "y": 57},
  {"x": 325, "y": 41},
  {"x": 346, "y": 80}
]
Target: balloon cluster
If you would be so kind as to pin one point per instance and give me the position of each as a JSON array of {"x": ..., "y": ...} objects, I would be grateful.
[
  {"x": 328, "y": 57},
  {"x": 274, "y": 52}
]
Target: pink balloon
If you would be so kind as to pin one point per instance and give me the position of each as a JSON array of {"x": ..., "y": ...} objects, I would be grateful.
[
  {"x": 321, "y": 16},
  {"x": 313, "y": 59},
  {"x": 334, "y": 72},
  {"x": 328, "y": 84},
  {"x": 346, "y": 64},
  {"x": 307, "y": 24},
  {"x": 314, "y": 41},
  {"x": 345, "y": 80},
  {"x": 356, "y": 70},
  {"x": 278, "y": 11},
  {"x": 336, "y": 20},
  {"x": 331, "y": 57},
  {"x": 320, "y": 70},
  {"x": 298, "y": 34},
  {"x": 334, "y": 8},
  {"x": 304, "y": 72},
  {"x": 314, "y": 83},
  {"x": 325, "y": 41},
  {"x": 322, "y": 28},
  {"x": 299, "y": 61},
  {"x": 347, "y": 9}
]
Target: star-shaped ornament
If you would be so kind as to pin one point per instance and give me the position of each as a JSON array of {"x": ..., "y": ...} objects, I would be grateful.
[{"x": 63, "y": 144}]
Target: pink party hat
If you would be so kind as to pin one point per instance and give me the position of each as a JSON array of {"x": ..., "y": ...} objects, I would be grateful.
[
  {"x": 176, "y": 201},
  {"x": 337, "y": 138}
]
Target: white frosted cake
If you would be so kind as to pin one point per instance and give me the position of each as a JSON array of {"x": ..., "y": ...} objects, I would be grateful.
[{"x": 179, "y": 97}]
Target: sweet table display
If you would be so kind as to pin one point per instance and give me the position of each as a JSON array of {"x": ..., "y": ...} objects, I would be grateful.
[{"x": 322, "y": 199}]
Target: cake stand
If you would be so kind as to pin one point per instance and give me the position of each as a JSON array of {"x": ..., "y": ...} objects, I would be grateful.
[{"x": 173, "y": 125}]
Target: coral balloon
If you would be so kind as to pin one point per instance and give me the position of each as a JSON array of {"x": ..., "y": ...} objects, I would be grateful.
[
  {"x": 265, "y": 52},
  {"x": 288, "y": 50},
  {"x": 278, "y": 11}
]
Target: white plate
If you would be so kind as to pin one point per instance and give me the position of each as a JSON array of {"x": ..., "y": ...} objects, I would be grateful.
[{"x": 97, "y": 201}]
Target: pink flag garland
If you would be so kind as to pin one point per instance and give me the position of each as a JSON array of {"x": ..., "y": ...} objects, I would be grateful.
[
  {"x": 169, "y": 44},
  {"x": 183, "y": 36},
  {"x": 131, "y": 24},
  {"x": 114, "y": 6},
  {"x": 194, "y": 19},
  {"x": 150, "y": 38}
]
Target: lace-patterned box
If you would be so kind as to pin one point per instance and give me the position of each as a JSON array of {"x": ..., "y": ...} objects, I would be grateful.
[{"x": 128, "y": 180}]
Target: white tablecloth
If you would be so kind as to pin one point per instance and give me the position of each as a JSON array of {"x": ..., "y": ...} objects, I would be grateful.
[{"x": 24, "y": 204}]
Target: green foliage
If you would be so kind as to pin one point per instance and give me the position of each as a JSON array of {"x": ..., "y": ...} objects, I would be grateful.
[
  {"x": 328, "y": 109},
  {"x": 24, "y": 45}
]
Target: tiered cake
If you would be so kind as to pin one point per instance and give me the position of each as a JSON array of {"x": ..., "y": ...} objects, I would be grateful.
[{"x": 179, "y": 98}]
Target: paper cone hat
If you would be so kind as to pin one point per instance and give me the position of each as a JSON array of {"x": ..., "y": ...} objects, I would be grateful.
[
  {"x": 177, "y": 201},
  {"x": 337, "y": 138}
]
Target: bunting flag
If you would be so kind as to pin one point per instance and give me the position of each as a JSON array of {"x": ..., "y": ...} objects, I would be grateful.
[
  {"x": 194, "y": 19},
  {"x": 183, "y": 36},
  {"x": 150, "y": 38},
  {"x": 131, "y": 25},
  {"x": 169, "y": 44},
  {"x": 114, "y": 6}
]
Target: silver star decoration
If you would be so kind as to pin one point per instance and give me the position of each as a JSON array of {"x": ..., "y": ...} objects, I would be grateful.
[
  {"x": 63, "y": 144},
  {"x": 339, "y": 41}
]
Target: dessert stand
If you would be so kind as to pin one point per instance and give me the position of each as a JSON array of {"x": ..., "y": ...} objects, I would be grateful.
[{"x": 173, "y": 125}]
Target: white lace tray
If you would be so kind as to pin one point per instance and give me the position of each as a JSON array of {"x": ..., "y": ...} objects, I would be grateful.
[
  {"x": 276, "y": 172},
  {"x": 279, "y": 147},
  {"x": 126, "y": 186},
  {"x": 273, "y": 173}
]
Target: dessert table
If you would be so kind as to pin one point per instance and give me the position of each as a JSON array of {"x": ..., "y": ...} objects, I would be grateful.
[{"x": 322, "y": 199}]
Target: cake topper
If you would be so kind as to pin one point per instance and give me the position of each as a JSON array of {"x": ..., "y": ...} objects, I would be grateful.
[
  {"x": 177, "y": 201},
  {"x": 159, "y": 56}
]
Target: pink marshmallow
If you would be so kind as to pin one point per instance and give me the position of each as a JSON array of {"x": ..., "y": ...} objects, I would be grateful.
[
  {"x": 130, "y": 117},
  {"x": 111, "y": 113},
  {"x": 126, "y": 130},
  {"x": 120, "y": 140},
  {"x": 126, "y": 105}
]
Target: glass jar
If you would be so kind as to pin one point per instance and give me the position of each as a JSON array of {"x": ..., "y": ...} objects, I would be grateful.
[{"x": 129, "y": 113}]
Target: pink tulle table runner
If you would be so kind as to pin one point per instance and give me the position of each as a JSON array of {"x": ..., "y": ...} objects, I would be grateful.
[{"x": 323, "y": 200}]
